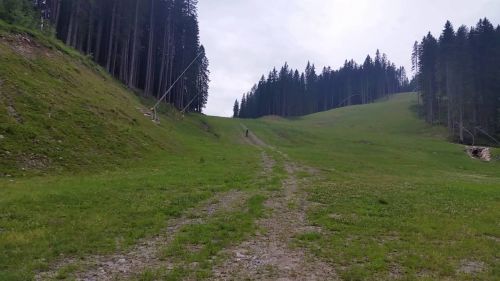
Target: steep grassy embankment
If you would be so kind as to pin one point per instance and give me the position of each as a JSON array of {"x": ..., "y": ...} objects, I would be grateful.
[{"x": 62, "y": 112}]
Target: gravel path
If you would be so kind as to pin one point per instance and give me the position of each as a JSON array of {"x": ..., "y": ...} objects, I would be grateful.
[
  {"x": 144, "y": 255},
  {"x": 268, "y": 256}
]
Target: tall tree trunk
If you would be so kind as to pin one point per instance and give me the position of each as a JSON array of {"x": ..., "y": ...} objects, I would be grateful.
[
  {"x": 163, "y": 77},
  {"x": 150, "y": 67},
  {"x": 98, "y": 43},
  {"x": 113, "y": 65},
  {"x": 90, "y": 31},
  {"x": 125, "y": 59},
  {"x": 56, "y": 8},
  {"x": 461, "y": 124},
  {"x": 76, "y": 31},
  {"x": 171, "y": 60},
  {"x": 69, "y": 34},
  {"x": 111, "y": 37},
  {"x": 134, "y": 46}
]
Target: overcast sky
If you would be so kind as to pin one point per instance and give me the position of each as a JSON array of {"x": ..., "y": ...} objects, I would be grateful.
[{"x": 246, "y": 38}]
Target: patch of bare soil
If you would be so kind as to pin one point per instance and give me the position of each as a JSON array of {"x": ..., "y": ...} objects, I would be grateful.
[
  {"x": 471, "y": 267},
  {"x": 24, "y": 45},
  {"x": 479, "y": 152},
  {"x": 13, "y": 113},
  {"x": 120, "y": 266},
  {"x": 9, "y": 104},
  {"x": 33, "y": 162},
  {"x": 268, "y": 256}
]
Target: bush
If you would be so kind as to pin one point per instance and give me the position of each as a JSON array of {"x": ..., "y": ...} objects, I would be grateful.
[{"x": 19, "y": 12}]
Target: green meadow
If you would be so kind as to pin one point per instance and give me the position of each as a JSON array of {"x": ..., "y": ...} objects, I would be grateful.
[{"x": 83, "y": 172}]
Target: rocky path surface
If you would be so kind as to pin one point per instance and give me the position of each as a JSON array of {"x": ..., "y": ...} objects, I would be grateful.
[
  {"x": 268, "y": 256},
  {"x": 121, "y": 266}
]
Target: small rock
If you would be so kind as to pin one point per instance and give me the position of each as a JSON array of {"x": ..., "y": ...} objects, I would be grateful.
[
  {"x": 240, "y": 256},
  {"x": 122, "y": 261},
  {"x": 2, "y": 137}
]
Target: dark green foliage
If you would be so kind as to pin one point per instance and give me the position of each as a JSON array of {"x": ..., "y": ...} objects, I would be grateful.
[
  {"x": 236, "y": 109},
  {"x": 289, "y": 93},
  {"x": 18, "y": 12},
  {"x": 459, "y": 81},
  {"x": 145, "y": 44}
]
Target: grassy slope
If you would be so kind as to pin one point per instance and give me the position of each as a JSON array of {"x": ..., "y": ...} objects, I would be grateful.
[
  {"x": 398, "y": 199},
  {"x": 394, "y": 197},
  {"x": 65, "y": 115},
  {"x": 131, "y": 175}
]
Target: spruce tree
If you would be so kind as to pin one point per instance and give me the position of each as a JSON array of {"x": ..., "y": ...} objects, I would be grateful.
[{"x": 236, "y": 109}]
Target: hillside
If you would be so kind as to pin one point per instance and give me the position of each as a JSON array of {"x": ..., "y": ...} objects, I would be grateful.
[
  {"x": 83, "y": 170},
  {"x": 394, "y": 199},
  {"x": 65, "y": 113},
  {"x": 365, "y": 192},
  {"x": 62, "y": 112}
]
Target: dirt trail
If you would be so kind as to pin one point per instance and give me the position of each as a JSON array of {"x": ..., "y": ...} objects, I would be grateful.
[
  {"x": 268, "y": 256},
  {"x": 143, "y": 256}
]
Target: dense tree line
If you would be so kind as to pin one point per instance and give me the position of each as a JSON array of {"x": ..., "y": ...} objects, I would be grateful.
[
  {"x": 146, "y": 44},
  {"x": 289, "y": 93},
  {"x": 458, "y": 77}
]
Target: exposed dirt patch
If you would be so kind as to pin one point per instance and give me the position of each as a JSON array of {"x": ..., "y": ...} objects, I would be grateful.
[
  {"x": 24, "y": 45},
  {"x": 471, "y": 267},
  {"x": 493, "y": 238},
  {"x": 268, "y": 256},
  {"x": 144, "y": 255},
  {"x": 479, "y": 152},
  {"x": 13, "y": 113},
  {"x": 33, "y": 162},
  {"x": 225, "y": 202},
  {"x": 396, "y": 271},
  {"x": 9, "y": 105}
]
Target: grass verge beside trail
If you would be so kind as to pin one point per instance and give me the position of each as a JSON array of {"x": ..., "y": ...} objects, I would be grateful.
[
  {"x": 195, "y": 250},
  {"x": 394, "y": 198},
  {"x": 44, "y": 219}
]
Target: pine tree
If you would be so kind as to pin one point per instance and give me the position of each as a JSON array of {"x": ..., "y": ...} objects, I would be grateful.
[
  {"x": 236, "y": 109},
  {"x": 459, "y": 80},
  {"x": 290, "y": 93},
  {"x": 145, "y": 44}
]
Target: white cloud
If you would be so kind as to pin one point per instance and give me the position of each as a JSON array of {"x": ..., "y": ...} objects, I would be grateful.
[{"x": 245, "y": 39}]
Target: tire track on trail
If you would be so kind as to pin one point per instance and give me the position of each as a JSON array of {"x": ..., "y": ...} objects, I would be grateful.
[
  {"x": 145, "y": 254},
  {"x": 268, "y": 256},
  {"x": 124, "y": 265},
  {"x": 265, "y": 256}
]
